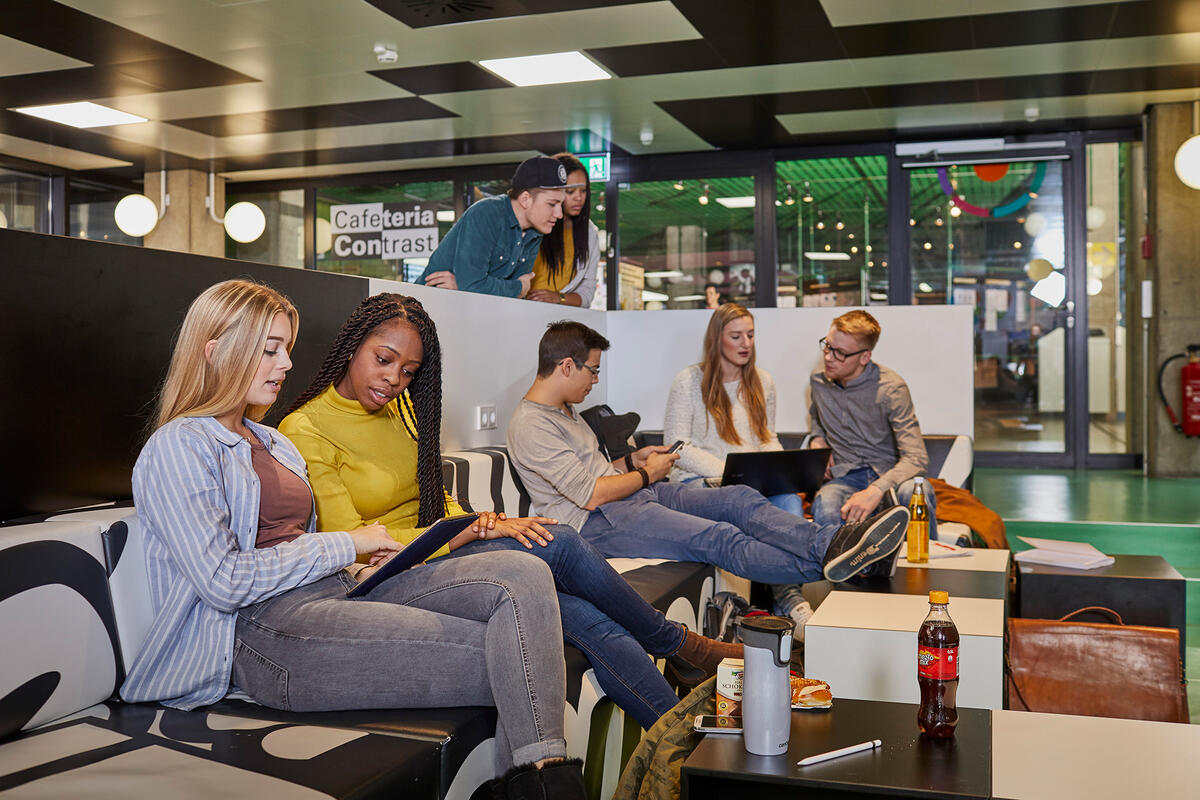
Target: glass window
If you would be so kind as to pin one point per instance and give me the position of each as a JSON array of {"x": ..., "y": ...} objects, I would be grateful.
[
  {"x": 991, "y": 236},
  {"x": 1108, "y": 217},
  {"x": 92, "y": 213},
  {"x": 678, "y": 236},
  {"x": 383, "y": 230},
  {"x": 831, "y": 217},
  {"x": 282, "y": 242},
  {"x": 24, "y": 201},
  {"x": 599, "y": 219}
]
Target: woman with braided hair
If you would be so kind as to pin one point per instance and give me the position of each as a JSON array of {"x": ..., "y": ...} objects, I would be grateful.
[
  {"x": 368, "y": 426},
  {"x": 245, "y": 593}
]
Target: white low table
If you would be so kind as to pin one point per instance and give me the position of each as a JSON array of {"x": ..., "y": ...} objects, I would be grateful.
[
  {"x": 865, "y": 645},
  {"x": 1057, "y": 755}
]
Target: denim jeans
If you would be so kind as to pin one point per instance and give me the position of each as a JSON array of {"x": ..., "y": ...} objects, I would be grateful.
[
  {"x": 827, "y": 506},
  {"x": 734, "y": 527},
  {"x": 461, "y": 632},
  {"x": 606, "y": 619}
]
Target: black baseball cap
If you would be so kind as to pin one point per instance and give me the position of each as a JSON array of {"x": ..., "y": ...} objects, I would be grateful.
[{"x": 540, "y": 172}]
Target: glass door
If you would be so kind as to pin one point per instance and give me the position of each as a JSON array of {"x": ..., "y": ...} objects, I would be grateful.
[{"x": 994, "y": 235}]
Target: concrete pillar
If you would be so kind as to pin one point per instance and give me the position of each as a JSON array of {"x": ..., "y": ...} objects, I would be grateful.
[
  {"x": 187, "y": 226},
  {"x": 1175, "y": 270}
]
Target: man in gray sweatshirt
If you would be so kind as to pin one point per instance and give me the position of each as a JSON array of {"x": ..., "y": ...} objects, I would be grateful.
[{"x": 864, "y": 412}]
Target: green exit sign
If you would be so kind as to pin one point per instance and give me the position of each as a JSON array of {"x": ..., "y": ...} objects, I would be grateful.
[{"x": 596, "y": 166}]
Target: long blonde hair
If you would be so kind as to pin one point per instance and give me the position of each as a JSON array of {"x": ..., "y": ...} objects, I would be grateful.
[
  {"x": 716, "y": 400},
  {"x": 238, "y": 315}
]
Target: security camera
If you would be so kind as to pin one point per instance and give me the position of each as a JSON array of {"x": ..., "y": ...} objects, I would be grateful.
[
  {"x": 386, "y": 53},
  {"x": 1031, "y": 113}
]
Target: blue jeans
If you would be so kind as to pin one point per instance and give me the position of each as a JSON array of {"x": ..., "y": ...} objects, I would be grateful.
[
  {"x": 827, "y": 505},
  {"x": 734, "y": 527},
  {"x": 606, "y": 619},
  {"x": 468, "y": 632}
]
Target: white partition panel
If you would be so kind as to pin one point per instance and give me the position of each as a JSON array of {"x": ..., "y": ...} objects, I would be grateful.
[
  {"x": 489, "y": 354},
  {"x": 932, "y": 347}
]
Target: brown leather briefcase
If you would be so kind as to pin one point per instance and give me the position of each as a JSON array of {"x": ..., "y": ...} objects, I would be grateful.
[{"x": 1096, "y": 670}]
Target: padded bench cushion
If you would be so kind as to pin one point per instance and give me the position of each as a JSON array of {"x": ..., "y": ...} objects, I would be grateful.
[{"x": 124, "y": 750}]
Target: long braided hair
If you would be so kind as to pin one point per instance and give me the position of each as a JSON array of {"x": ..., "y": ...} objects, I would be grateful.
[{"x": 423, "y": 395}]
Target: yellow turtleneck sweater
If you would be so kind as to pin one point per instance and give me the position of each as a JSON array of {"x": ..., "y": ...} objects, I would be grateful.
[{"x": 362, "y": 465}]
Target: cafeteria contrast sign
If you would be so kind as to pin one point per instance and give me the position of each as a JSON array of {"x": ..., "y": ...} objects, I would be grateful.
[{"x": 388, "y": 231}]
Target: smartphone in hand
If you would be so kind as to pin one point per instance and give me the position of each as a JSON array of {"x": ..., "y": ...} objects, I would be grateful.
[{"x": 678, "y": 444}]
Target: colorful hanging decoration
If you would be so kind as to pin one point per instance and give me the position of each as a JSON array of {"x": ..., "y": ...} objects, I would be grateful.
[{"x": 991, "y": 173}]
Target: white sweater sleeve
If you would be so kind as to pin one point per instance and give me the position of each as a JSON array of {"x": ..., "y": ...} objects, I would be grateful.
[{"x": 685, "y": 418}]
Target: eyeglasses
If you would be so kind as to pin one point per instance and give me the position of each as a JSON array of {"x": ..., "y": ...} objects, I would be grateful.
[
  {"x": 594, "y": 370},
  {"x": 838, "y": 354}
]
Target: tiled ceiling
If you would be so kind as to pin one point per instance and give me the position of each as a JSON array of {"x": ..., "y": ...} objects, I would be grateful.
[{"x": 266, "y": 89}]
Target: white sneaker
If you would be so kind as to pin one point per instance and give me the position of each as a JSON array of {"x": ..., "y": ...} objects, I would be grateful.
[{"x": 800, "y": 613}]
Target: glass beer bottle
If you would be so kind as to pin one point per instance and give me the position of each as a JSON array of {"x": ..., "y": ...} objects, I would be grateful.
[
  {"x": 937, "y": 669},
  {"x": 918, "y": 526}
]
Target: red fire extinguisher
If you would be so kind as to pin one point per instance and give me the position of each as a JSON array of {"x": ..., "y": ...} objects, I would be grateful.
[{"x": 1189, "y": 424}]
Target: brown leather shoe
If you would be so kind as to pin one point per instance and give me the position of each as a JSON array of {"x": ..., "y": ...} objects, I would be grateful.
[{"x": 697, "y": 658}]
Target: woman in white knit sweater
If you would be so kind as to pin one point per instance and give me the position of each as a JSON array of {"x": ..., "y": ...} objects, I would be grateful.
[{"x": 726, "y": 404}]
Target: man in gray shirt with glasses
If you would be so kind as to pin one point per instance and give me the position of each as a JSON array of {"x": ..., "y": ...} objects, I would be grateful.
[
  {"x": 626, "y": 509},
  {"x": 864, "y": 412}
]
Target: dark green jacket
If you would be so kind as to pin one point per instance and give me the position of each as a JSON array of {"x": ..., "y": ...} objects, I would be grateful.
[{"x": 653, "y": 771}]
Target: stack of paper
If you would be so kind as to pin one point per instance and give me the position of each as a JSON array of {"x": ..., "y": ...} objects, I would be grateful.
[
  {"x": 1055, "y": 553},
  {"x": 938, "y": 550}
]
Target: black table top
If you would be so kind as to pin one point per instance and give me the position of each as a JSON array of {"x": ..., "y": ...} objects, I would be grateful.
[
  {"x": 917, "y": 580},
  {"x": 1123, "y": 566},
  {"x": 908, "y": 764}
]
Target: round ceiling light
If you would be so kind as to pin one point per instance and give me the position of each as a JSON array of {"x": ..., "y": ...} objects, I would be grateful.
[
  {"x": 136, "y": 215},
  {"x": 324, "y": 235},
  {"x": 1187, "y": 162},
  {"x": 245, "y": 222}
]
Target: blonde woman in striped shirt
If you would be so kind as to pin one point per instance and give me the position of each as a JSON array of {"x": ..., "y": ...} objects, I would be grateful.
[{"x": 246, "y": 595}]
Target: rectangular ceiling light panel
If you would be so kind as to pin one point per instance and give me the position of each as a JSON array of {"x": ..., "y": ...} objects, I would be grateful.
[
  {"x": 737, "y": 202},
  {"x": 81, "y": 115},
  {"x": 571, "y": 67}
]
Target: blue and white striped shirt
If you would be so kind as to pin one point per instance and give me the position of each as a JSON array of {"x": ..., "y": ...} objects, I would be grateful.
[{"x": 197, "y": 498}]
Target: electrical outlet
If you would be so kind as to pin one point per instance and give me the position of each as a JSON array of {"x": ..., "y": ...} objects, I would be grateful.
[{"x": 485, "y": 418}]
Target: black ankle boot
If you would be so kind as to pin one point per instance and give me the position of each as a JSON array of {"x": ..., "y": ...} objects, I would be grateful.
[{"x": 560, "y": 780}]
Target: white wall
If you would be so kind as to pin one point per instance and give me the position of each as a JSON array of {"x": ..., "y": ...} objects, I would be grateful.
[
  {"x": 489, "y": 352},
  {"x": 932, "y": 347}
]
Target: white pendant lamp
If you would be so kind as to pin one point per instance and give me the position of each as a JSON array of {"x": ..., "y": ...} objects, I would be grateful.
[
  {"x": 1187, "y": 157},
  {"x": 136, "y": 215},
  {"x": 244, "y": 221}
]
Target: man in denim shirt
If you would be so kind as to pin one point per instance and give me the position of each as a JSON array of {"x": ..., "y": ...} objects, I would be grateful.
[{"x": 491, "y": 249}]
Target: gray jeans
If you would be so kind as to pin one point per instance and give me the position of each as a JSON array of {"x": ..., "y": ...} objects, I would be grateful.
[{"x": 470, "y": 631}]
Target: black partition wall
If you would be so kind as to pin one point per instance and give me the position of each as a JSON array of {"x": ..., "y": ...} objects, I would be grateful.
[{"x": 87, "y": 329}]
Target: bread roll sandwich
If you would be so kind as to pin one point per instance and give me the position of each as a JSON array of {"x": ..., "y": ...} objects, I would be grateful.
[{"x": 810, "y": 693}]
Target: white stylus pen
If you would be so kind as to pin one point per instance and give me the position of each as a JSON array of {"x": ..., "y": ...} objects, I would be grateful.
[{"x": 845, "y": 751}]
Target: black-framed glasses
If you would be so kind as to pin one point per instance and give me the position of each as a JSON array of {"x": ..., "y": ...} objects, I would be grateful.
[
  {"x": 837, "y": 353},
  {"x": 594, "y": 370}
]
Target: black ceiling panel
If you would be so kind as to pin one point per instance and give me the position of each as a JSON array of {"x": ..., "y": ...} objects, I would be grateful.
[
  {"x": 336, "y": 115},
  {"x": 763, "y": 32},
  {"x": 429, "y": 13},
  {"x": 661, "y": 57},
  {"x": 548, "y": 142},
  {"x": 461, "y": 76},
  {"x": 122, "y": 62},
  {"x": 729, "y": 122}
]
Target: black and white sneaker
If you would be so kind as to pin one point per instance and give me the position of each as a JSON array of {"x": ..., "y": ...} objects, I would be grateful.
[{"x": 858, "y": 545}]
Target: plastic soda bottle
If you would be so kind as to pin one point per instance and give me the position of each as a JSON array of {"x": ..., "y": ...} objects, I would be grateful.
[
  {"x": 918, "y": 526},
  {"x": 937, "y": 669}
]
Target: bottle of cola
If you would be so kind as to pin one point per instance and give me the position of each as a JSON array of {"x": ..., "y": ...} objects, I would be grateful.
[{"x": 937, "y": 669}]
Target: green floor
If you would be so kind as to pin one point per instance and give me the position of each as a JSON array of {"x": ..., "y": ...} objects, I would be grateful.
[{"x": 1118, "y": 512}]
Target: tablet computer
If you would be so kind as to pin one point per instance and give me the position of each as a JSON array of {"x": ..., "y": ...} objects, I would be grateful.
[
  {"x": 416, "y": 551},
  {"x": 775, "y": 472}
]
